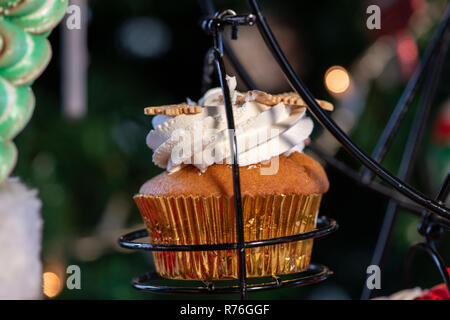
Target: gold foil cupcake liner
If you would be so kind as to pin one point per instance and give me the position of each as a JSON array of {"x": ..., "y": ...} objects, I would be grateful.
[{"x": 211, "y": 220}]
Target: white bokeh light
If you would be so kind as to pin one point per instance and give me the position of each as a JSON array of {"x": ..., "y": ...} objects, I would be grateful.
[{"x": 144, "y": 37}]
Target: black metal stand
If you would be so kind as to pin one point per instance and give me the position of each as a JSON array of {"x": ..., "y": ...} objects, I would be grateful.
[
  {"x": 315, "y": 273},
  {"x": 435, "y": 215},
  {"x": 150, "y": 281}
]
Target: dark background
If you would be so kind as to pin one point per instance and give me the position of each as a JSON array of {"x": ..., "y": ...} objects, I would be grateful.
[{"x": 87, "y": 170}]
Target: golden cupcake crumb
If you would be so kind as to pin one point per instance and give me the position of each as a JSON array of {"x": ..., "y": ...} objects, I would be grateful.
[{"x": 174, "y": 109}]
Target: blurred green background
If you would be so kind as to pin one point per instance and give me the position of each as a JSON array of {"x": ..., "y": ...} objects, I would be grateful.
[{"x": 151, "y": 52}]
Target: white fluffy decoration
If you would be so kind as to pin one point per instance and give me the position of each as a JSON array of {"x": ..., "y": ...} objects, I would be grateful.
[{"x": 20, "y": 241}]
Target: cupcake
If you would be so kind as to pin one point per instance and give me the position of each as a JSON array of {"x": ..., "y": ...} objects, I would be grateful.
[{"x": 191, "y": 202}]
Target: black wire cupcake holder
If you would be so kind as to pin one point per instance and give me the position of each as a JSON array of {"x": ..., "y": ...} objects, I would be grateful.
[
  {"x": 435, "y": 216},
  {"x": 315, "y": 273}
]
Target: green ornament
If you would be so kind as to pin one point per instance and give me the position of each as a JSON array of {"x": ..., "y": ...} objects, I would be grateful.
[
  {"x": 16, "y": 108},
  {"x": 24, "y": 54},
  {"x": 8, "y": 158},
  {"x": 25, "y": 7},
  {"x": 13, "y": 43},
  {"x": 39, "y": 16}
]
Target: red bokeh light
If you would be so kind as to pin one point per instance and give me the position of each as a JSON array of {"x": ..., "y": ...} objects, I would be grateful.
[{"x": 407, "y": 49}]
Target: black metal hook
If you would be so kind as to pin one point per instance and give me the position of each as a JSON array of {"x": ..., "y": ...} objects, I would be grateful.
[
  {"x": 227, "y": 18},
  {"x": 428, "y": 228},
  {"x": 430, "y": 248},
  {"x": 432, "y": 231}
]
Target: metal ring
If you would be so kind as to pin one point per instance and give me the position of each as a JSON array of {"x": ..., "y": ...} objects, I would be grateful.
[
  {"x": 315, "y": 273},
  {"x": 325, "y": 226},
  {"x": 226, "y": 13}
]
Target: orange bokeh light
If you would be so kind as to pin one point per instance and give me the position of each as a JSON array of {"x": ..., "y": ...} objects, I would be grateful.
[
  {"x": 52, "y": 284},
  {"x": 337, "y": 79}
]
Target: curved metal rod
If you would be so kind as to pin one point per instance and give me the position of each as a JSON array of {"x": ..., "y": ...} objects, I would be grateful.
[
  {"x": 324, "y": 226},
  {"x": 314, "y": 274},
  {"x": 445, "y": 189},
  {"x": 437, "y": 259},
  {"x": 331, "y": 126},
  {"x": 377, "y": 187},
  {"x": 402, "y": 201}
]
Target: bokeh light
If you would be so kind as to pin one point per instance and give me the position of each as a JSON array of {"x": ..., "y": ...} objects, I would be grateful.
[
  {"x": 337, "y": 79},
  {"x": 145, "y": 37},
  {"x": 52, "y": 284},
  {"x": 407, "y": 49}
]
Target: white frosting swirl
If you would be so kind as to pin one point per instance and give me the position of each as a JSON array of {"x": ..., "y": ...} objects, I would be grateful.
[{"x": 202, "y": 139}]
